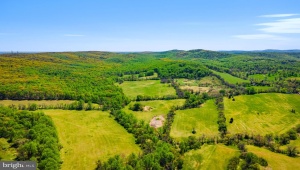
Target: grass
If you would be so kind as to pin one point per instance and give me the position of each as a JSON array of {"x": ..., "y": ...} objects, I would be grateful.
[
  {"x": 209, "y": 157},
  {"x": 262, "y": 113},
  {"x": 293, "y": 143},
  {"x": 275, "y": 160},
  {"x": 210, "y": 80},
  {"x": 210, "y": 84},
  {"x": 203, "y": 119},
  {"x": 87, "y": 136},
  {"x": 230, "y": 79},
  {"x": 159, "y": 107},
  {"x": 261, "y": 88},
  {"x": 187, "y": 82},
  {"x": 148, "y": 88},
  {"x": 141, "y": 78},
  {"x": 259, "y": 77},
  {"x": 38, "y": 102}
]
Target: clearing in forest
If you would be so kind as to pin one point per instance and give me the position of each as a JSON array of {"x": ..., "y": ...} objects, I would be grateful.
[
  {"x": 203, "y": 120},
  {"x": 87, "y": 136},
  {"x": 146, "y": 88},
  {"x": 209, "y": 84},
  {"x": 275, "y": 160},
  {"x": 229, "y": 78},
  {"x": 262, "y": 113},
  {"x": 158, "y": 107},
  {"x": 212, "y": 157},
  {"x": 38, "y": 102}
]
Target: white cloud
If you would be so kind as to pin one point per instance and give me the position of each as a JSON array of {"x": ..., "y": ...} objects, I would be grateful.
[
  {"x": 277, "y": 15},
  {"x": 259, "y": 37},
  {"x": 291, "y": 25},
  {"x": 73, "y": 35}
]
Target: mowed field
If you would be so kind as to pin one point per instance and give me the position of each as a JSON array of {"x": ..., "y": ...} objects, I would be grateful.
[
  {"x": 148, "y": 87},
  {"x": 212, "y": 157},
  {"x": 230, "y": 79},
  {"x": 276, "y": 161},
  {"x": 262, "y": 113},
  {"x": 87, "y": 136},
  {"x": 203, "y": 119},
  {"x": 159, "y": 107}
]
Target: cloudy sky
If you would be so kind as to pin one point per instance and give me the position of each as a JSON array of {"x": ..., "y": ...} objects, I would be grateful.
[{"x": 149, "y": 25}]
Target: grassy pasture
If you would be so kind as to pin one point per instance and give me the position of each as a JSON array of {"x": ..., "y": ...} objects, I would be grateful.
[
  {"x": 159, "y": 107},
  {"x": 293, "y": 78},
  {"x": 87, "y": 136},
  {"x": 38, "y": 102},
  {"x": 210, "y": 80},
  {"x": 261, "y": 88},
  {"x": 229, "y": 78},
  {"x": 260, "y": 77},
  {"x": 148, "y": 87},
  {"x": 187, "y": 82},
  {"x": 276, "y": 161},
  {"x": 203, "y": 119},
  {"x": 262, "y": 113},
  {"x": 209, "y": 157},
  {"x": 209, "y": 84}
]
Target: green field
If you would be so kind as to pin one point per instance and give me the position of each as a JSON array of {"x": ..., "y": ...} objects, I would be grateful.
[
  {"x": 259, "y": 77},
  {"x": 261, "y": 88},
  {"x": 209, "y": 84},
  {"x": 203, "y": 119},
  {"x": 209, "y": 157},
  {"x": 148, "y": 88},
  {"x": 292, "y": 143},
  {"x": 276, "y": 161},
  {"x": 262, "y": 113},
  {"x": 229, "y": 78},
  {"x": 187, "y": 82},
  {"x": 38, "y": 102},
  {"x": 159, "y": 107},
  {"x": 87, "y": 136}
]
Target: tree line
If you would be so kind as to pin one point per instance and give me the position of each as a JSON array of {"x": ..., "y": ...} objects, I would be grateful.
[{"x": 32, "y": 135}]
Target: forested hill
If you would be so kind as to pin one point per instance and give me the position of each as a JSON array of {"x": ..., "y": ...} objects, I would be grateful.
[{"x": 91, "y": 76}]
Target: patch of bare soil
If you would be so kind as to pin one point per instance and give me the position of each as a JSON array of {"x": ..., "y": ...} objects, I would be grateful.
[
  {"x": 147, "y": 108},
  {"x": 157, "y": 121}
]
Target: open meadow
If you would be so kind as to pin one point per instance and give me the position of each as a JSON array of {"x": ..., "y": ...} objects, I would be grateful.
[
  {"x": 212, "y": 157},
  {"x": 148, "y": 87},
  {"x": 87, "y": 136},
  {"x": 203, "y": 120},
  {"x": 276, "y": 161},
  {"x": 229, "y": 78},
  {"x": 262, "y": 113},
  {"x": 38, "y": 102},
  {"x": 157, "y": 107},
  {"x": 209, "y": 84}
]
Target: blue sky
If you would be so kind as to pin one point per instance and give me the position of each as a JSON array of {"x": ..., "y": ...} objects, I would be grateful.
[{"x": 148, "y": 25}]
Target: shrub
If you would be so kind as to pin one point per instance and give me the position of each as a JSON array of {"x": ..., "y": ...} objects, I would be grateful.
[
  {"x": 233, "y": 163},
  {"x": 136, "y": 107}
]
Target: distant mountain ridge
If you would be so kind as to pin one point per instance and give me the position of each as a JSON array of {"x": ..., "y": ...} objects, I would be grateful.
[{"x": 261, "y": 51}]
